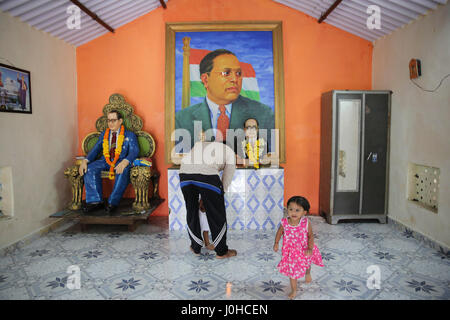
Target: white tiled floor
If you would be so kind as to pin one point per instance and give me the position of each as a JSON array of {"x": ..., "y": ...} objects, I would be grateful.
[{"x": 153, "y": 263}]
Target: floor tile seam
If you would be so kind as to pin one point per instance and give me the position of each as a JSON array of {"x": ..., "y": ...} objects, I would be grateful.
[
  {"x": 397, "y": 288},
  {"x": 408, "y": 272},
  {"x": 112, "y": 280},
  {"x": 397, "y": 250},
  {"x": 426, "y": 240}
]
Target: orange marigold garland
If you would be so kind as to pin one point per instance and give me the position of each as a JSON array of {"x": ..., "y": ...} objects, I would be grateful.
[{"x": 116, "y": 153}]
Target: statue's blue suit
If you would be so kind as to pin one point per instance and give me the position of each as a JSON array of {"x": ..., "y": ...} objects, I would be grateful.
[{"x": 92, "y": 177}]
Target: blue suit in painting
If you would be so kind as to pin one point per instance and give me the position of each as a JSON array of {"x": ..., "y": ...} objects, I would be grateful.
[{"x": 92, "y": 178}]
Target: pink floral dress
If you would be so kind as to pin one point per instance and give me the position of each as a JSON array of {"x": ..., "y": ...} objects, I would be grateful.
[{"x": 294, "y": 261}]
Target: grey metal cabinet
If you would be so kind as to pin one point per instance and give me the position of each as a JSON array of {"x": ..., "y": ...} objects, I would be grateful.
[{"x": 354, "y": 155}]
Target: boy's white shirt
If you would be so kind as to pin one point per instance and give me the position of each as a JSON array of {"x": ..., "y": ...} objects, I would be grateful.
[{"x": 209, "y": 158}]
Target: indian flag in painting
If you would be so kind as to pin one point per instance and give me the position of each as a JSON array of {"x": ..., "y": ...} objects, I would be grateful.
[{"x": 250, "y": 87}]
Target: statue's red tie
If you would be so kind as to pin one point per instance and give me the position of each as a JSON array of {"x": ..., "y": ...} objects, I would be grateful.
[
  {"x": 222, "y": 124},
  {"x": 112, "y": 149}
]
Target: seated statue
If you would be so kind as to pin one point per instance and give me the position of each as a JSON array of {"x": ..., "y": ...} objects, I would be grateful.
[
  {"x": 115, "y": 158},
  {"x": 119, "y": 148}
]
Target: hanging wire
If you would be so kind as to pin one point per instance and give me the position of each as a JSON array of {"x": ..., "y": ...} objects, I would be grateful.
[
  {"x": 434, "y": 89},
  {"x": 8, "y": 61}
]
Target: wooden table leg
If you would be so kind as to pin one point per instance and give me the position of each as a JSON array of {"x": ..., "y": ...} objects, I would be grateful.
[{"x": 132, "y": 227}]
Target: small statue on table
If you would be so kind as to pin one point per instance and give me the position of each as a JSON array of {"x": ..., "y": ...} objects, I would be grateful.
[{"x": 253, "y": 147}]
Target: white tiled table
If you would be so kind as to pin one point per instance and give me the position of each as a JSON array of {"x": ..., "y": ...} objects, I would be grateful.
[{"x": 254, "y": 200}]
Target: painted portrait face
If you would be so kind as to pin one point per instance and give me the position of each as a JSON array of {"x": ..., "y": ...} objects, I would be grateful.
[
  {"x": 224, "y": 83},
  {"x": 114, "y": 122}
]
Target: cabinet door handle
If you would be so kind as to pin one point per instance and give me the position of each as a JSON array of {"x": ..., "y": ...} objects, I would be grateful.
[
  {"x": 342, "y": 163},
  {"x": 369, "y": 156}
]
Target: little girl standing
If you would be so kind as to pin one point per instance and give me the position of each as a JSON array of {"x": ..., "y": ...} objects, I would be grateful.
[{"x": 298, "y": 251}]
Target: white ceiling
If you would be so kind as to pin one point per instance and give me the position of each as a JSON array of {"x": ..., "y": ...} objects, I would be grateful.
[{"x": 350, "y": 15}]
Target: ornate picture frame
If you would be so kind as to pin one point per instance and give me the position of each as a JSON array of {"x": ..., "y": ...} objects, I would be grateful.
[{"x": 173, "y": 82}]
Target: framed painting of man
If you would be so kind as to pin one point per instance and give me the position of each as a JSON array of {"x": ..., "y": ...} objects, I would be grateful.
[
  {"x": 15, "y": 89},
  {"x": 236, "y": 64}
]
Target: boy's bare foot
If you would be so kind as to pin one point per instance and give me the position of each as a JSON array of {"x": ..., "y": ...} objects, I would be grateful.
[
  {"x": 197, "y": 254},
  {"x": 230, "y": 253},
  {"x": 209, "y": 246},
  {"x": 292, "y": 294},
  {"x": 308, "y": 278}
]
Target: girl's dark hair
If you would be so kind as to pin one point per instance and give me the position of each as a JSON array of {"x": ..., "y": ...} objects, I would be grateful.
[{"x": 301, "y": 201}]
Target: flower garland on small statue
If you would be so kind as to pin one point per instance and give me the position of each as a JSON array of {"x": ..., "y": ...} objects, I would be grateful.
[
  {"x": 116, "y": 153},
  {"x": 253, "y": 151}
]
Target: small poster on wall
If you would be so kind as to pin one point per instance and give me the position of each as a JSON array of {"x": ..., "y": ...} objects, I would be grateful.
[{"x": 15, "y": 89}]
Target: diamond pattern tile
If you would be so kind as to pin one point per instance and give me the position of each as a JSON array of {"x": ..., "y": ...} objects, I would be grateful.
[
  {"x": 154, "y": 262},
  {"x": 253, "y": 194}
]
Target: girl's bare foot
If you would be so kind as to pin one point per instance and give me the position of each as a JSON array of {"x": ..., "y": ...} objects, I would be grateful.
[
  {"x": 209, "y": 246},
  {"x": 230, "y": 253},
  {"x": 308, "y": 278},
  {"x": 292, "y": 294},
  {"x": 293, "y": 288}
]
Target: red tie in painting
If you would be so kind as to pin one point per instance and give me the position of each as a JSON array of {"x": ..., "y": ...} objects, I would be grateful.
[
  {"x": 222, "y": 123},
  {"x": 112, "y": 150}
]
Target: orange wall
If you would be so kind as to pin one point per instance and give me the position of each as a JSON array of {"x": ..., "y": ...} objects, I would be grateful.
[{"x": 317, "y": 58}]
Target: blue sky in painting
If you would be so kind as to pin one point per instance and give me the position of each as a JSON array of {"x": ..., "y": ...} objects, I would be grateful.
[{"x": 254, "y": 47}]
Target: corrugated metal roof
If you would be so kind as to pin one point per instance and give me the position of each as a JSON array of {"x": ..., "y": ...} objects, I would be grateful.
[
  {"x": 350, "y": 15},
  {"x": 52, "y": 15}
]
